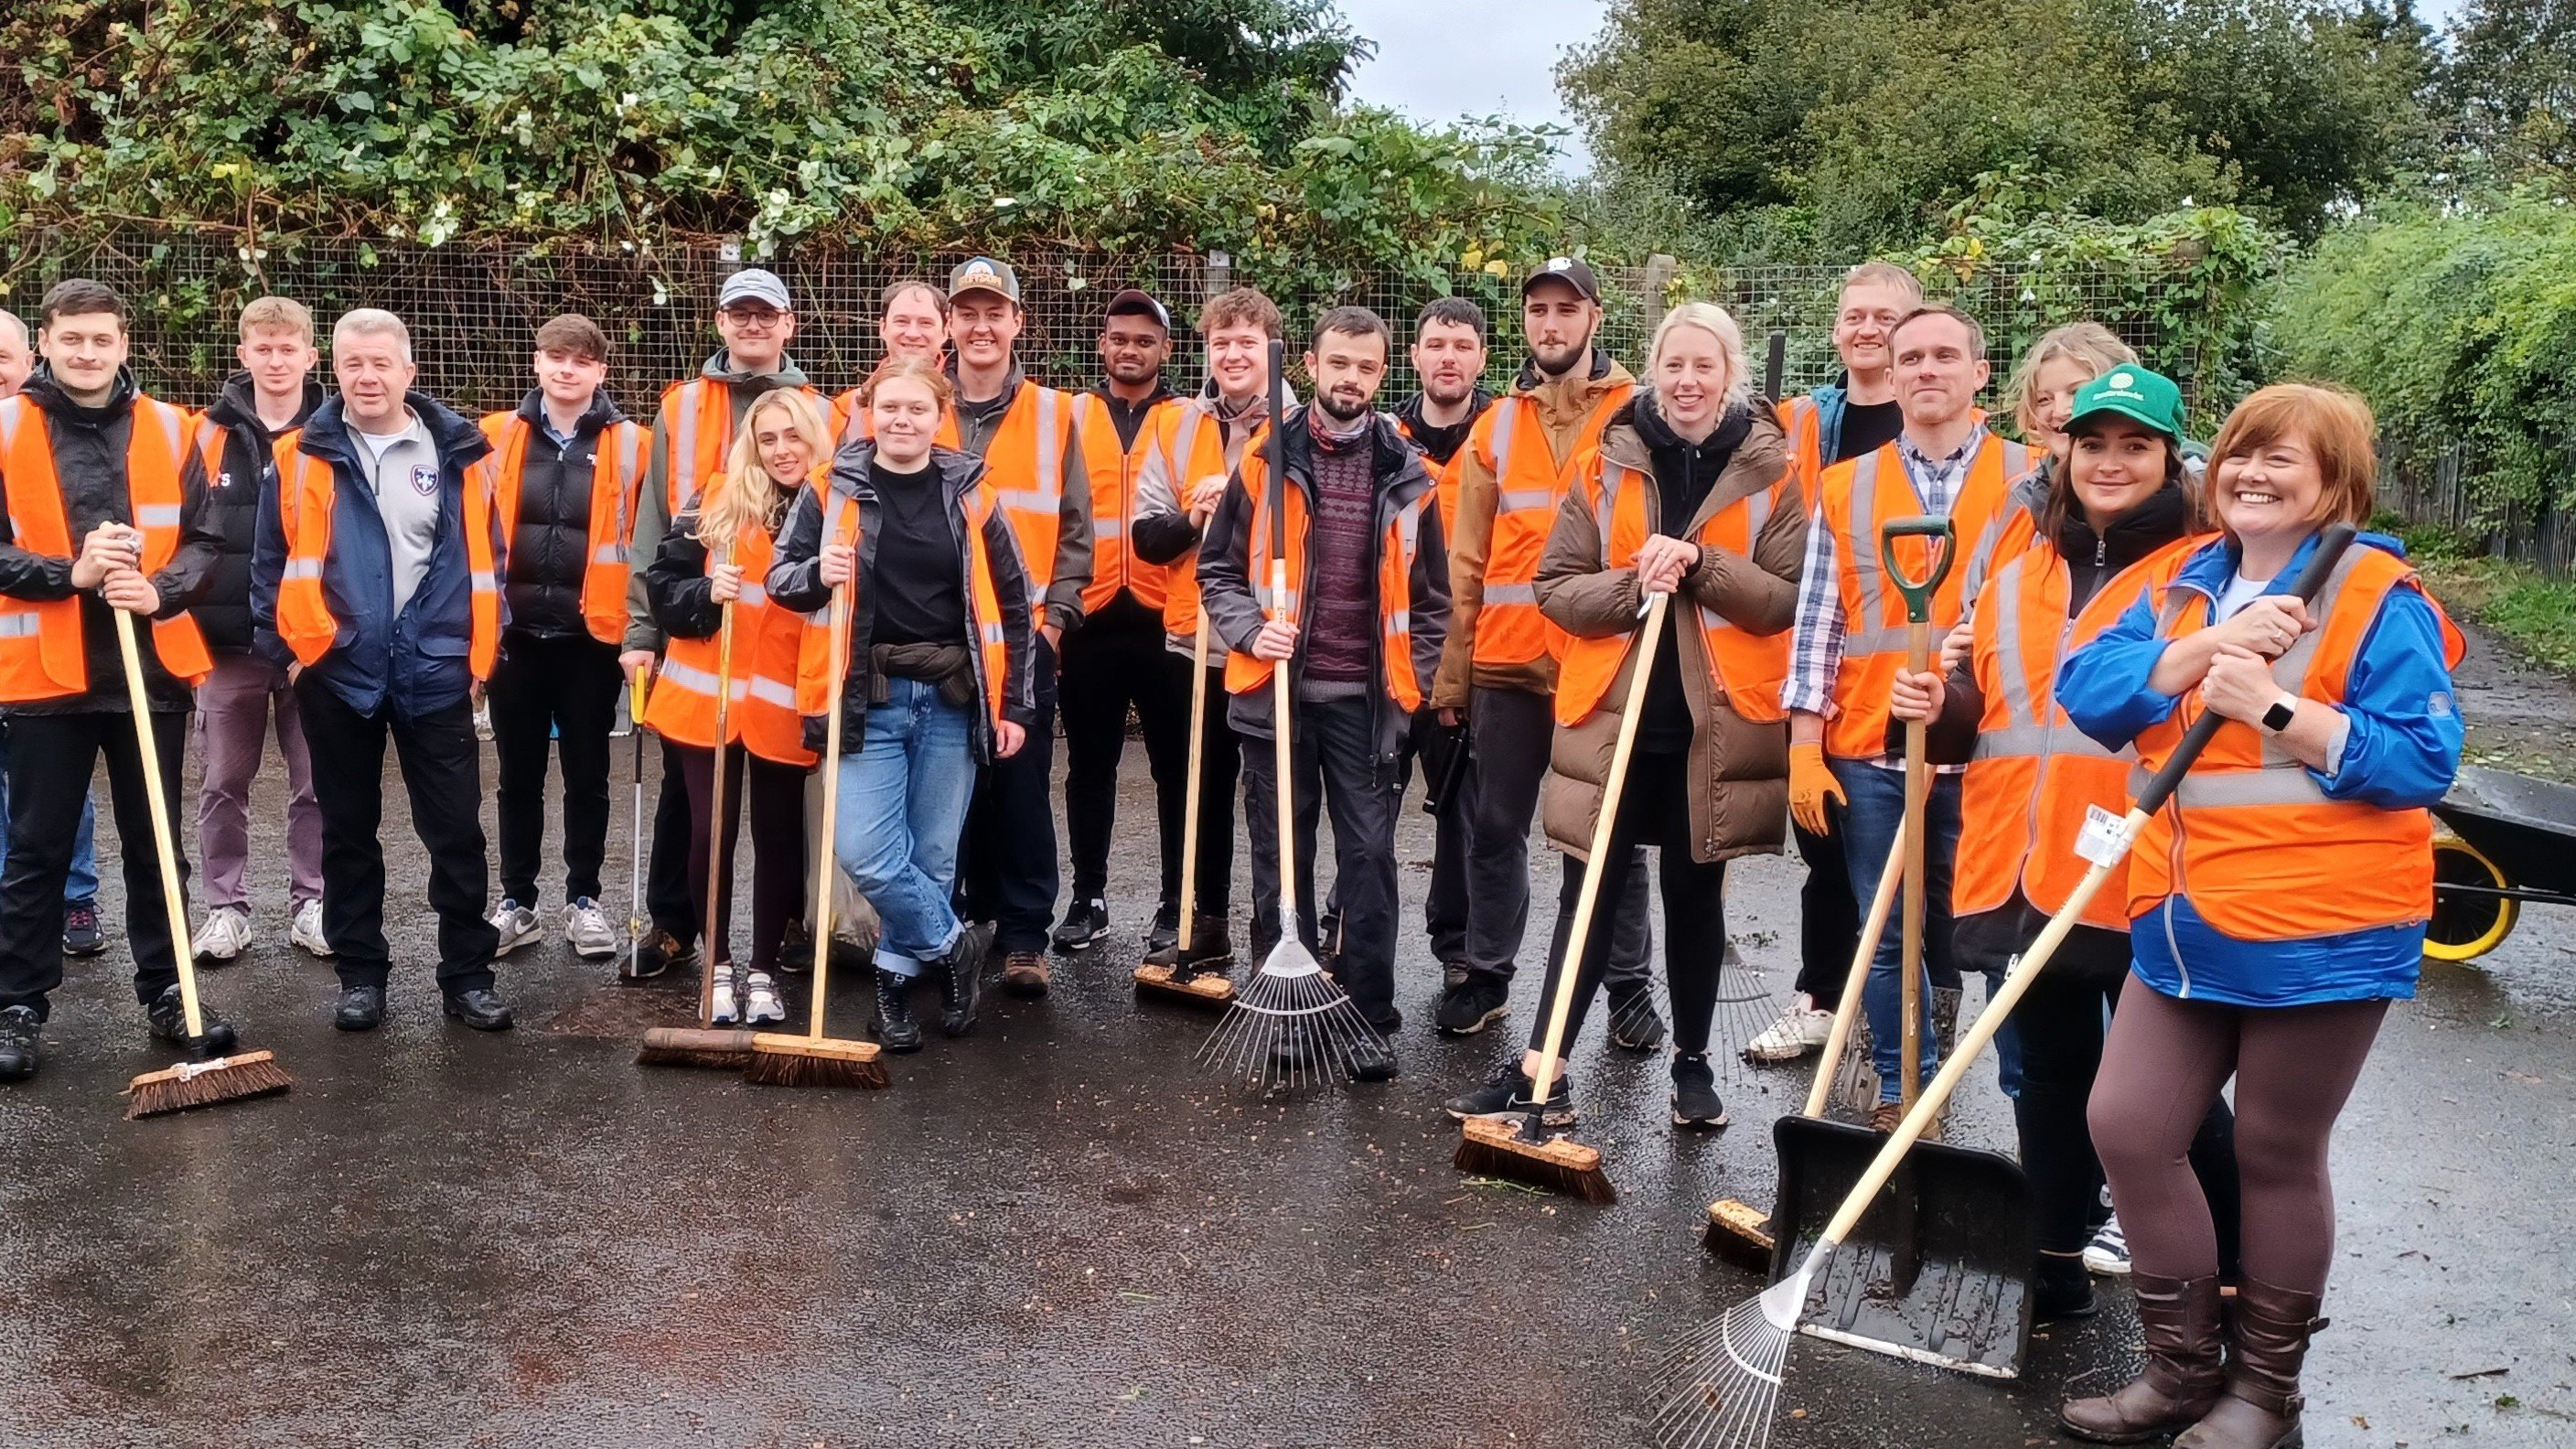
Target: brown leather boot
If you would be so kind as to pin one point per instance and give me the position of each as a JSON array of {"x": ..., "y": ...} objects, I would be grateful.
[
  {"x": 2260, "y": 1409},
  {"x": 2183, "y": 1376}
]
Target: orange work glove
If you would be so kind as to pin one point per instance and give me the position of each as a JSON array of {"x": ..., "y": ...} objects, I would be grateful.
[{"x": 1810, "y": 783}]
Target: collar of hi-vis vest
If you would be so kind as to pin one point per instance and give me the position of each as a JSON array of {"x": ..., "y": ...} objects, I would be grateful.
[
  {"x": 2030, "y": 593},
  {"x": 1868, "y": 635}
]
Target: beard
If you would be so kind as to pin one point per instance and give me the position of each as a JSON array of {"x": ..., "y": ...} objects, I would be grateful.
[
  {"x": 1343, "y": 405},
  {"x": 1563, "y": 361},
  {"x": 1448, "y": 394}
]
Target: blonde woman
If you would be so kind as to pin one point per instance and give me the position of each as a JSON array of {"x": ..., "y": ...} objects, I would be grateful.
[
  {"x": 2041, "y": 390},
  {"x": 717, "y": 554}
]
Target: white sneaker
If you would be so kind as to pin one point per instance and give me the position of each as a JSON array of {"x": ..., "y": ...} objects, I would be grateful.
[
  {"x": 760, "y": 1001},
  {"x": 724, "y": 1010},
  {"x": 517, "y": 925},
  {"x": 1801, "y": 1029},
  {"x": 224, "y": 936},
  {"x": 586, "y": 928},
  {"x": 307, "y": 931},
  {"x": 2108, "y": 1253}
]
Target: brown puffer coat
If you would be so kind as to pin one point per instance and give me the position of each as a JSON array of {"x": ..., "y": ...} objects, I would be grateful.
[{"x": 1739, "y": 769}]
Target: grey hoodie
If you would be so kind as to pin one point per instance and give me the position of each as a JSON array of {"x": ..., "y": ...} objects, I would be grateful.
[{"x": 653, "y": 510}]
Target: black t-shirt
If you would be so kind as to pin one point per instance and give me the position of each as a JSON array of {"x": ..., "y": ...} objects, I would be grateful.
[
  {"x": 1868, "y": 427},
  {"x": 920, "y": 577}
]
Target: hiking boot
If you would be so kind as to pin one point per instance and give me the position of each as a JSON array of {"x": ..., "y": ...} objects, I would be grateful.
[
  {"x": 961, "y": 977},
  {"x": 479, "y": 1007},
  {"x": 517, "y": 926},
  {"x": 167, "y": 1019},
  {"x": 1695, "y": 1102},
  {"x": 1635, "y": 1025},
  {"x": 1024, "y": 973},
  {"x": 724, "y": 1003},
  {"x": 2108, "y": 1253},
  {"x": 1801, "y": 1029},
  {"x": 2061, "y": 1288},
  {"x": 1887, "y": 1116},
  {"x": 586, "y": 930},
  {"x": 760, "y": 1002},
  {"x": 1085, "y": 922},
  {"x": 224, "y": 936},
  {"x": 894, "y": 1025},
  {"x": 1507, "y": 1094},
  {"x": 1165, "y": 933},
  {"x": 1470, "y": 1007},
  {"x": 361, "y": 1008},
  {"x": 2183, "y": 1375},
  {"x": 659, "y": 951},
  {"x": 306, "y": 933},
  {"x": 2260, "y": 1408},
  {"x": 80, "y": 929},
  {"x": 19, "y": 1029}
]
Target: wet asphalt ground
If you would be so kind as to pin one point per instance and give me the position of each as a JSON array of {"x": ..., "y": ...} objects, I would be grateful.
[{"x": 1060, "y": 1232}]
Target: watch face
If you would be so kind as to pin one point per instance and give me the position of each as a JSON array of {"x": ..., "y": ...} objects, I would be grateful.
[{"x": 2278, "y": 717}]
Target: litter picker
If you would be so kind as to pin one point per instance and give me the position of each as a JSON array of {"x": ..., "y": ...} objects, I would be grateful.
[
  {"x": 1718, "y": 1388},
  {"x": 1198, "y": 983},
  {"x": 216, "y": 1080},
  {"x": 1293, "y": 1023},
  {"x": 632, "y": 968},
  {"x": 1520, "y": 1146},
  {"x": 783, "y": 1059}
]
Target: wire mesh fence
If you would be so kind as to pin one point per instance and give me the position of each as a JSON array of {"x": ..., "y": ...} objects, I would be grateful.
[{"x": 473, "y": 307}]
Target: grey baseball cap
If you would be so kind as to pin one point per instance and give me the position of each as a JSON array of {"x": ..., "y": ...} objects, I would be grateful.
[
  {"x": 755, "y": 284},
  {"x": 984, "y": 274}
]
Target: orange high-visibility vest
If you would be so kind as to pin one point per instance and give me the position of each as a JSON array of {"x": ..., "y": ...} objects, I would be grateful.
[
  {"x": 697, "y": 429},
  {"x": 43, "y": 654},
  {"x": 2034, "y": 774},
  {"x": 307, "y": 487},
  {"x": 1396, "y": 554},
  {"x": 1748, "y": 669},
  {"x": 761, "y": 714},
  {"x": 815, "y": 661},
  {"x": 1529, "y": 484},
  {"x": 1805, "y": 425},
  {"x": 1112, "y": 471},
  {"x": 2249, "y": 834},
  {"x": 615, "y": 479},
  {"x": 1860, "y": 497},
  {"x": 1024, "y": 473},
  {"x": 1193, "y": 444},
  {"x": 1444, "y": 479}
]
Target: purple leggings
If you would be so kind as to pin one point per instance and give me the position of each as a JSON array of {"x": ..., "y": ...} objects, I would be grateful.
[{"x": 2163, "y": 1066}]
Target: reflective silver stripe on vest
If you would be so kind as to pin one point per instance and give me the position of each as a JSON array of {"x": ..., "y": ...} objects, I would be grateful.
[
  {"x": 2289, "y": 784},
  {"x": 11, "y": 410},
  {"x": 1505, "y": 414},
  {"x": 753, "y": 595},
  {"x": 1399, "y": 621},
  {"x": 1527, "y": 500},
  {"x": 2017, "y": 702},
  {"x": 684, "y": 445},
  {"x": 630, "y": 472},
  {"x": 696, "y": 680},
  {"x": 1024, "y": 500},
  {"x": 157, "y": 515},
  {"x": 19, "y": 620},
  {"x": 770, "y": 691},
  {"x": 609, "y": 553},
  {"x": 1605, "y": 509},
  {"x": 482, "y": 581},
  {"x": 992, "y": 634},
  {"x": 1050, "y": 479},
  {"x": 1108, "y": 529},
  {"x": 302, "y": 568},
  {"x": 2027, "y": 742},
  {"x": 1872, "y": 639},
  {"x": 174, "y": 424},
  {"x": 1511, "y": 593}
]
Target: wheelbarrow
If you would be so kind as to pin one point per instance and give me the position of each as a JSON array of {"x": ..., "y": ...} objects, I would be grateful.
[{"x": 2505, "y": 839}]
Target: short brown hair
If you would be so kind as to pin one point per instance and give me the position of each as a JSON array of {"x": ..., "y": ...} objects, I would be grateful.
[
  {"x": 919, "y": 369},
  {"x": 1976, "y": 329},
  {"x": 1354, "y": 322},
  {"x": 276, "y": 314},
  {"x": 1240, "y": 307},
  {"x": 81, "y": 297},
  {"x": 895, "y": 289},
  {"x": 576, "y": 334},
  {"x": 2335, "y": 424}
]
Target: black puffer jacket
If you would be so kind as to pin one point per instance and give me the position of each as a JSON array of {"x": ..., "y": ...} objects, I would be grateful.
[
  {"x": 550, "y": 543},
  {"x": 246, "y": 468}
]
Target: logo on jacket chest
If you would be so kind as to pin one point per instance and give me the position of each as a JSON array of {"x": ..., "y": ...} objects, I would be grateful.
[{"x": 424, "y": 478}]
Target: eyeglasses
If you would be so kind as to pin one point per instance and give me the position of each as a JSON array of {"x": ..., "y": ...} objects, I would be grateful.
[{"x": 753, "y": 317}]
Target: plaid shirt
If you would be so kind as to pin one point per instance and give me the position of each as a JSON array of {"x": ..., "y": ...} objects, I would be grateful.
[{"x": 1816, "y": 640}]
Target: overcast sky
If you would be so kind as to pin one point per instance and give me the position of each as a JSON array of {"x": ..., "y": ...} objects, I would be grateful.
[{"x": 1496, "y": 57}]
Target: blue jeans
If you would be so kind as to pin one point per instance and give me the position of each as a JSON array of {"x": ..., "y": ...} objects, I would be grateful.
[
  {"x": 81, "y": 886},
  {"x": 903, "y": 804}
]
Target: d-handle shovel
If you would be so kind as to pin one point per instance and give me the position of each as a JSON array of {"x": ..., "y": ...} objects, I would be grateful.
[{"x": 1917, "y": 591}]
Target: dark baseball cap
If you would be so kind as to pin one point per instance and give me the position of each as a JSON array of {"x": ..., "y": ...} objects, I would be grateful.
[
  {"x": 984, "y": 274},
  {"x": 1136, "y": 302},
  {"x": 1573, "y": 271}
]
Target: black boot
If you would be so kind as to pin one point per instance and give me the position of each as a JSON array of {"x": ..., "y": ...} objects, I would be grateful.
[
  {"x": 2183, "y": 1373},
  {"x": 167, "y": 1019},
  {"x": 895, "y": 1028},
  {"x": 2062, "y": 1288},
  {"x": 961, "y": 978},
  {"x": 19, "y": 1028}
]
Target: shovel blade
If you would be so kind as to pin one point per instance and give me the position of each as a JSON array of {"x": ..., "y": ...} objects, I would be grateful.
[{"x": 1939, "y": 1269}]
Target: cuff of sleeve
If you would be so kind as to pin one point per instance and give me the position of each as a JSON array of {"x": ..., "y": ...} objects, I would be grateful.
[{"x": 2335, "y": 744}]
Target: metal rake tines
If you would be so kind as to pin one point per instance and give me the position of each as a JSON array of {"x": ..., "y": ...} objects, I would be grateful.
[
  {"x": 1287, "y": 1029},
  {"x": 1718, "y": 1387}
]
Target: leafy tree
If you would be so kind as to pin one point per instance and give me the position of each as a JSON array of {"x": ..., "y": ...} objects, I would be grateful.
[{"x": 2510, "y": 91}]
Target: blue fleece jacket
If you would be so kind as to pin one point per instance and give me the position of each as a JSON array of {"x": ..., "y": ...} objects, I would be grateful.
[
  {"x": 409, "y": 665},
  {"x": 2401, "y": 748}
]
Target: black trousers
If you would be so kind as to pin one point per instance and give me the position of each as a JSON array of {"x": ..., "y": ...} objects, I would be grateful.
[
  {"x": 775, "y": 794},
  {"x": 1333, "y": 765},
  {"x": 51, "y": 757},
  {"x": 670, "y": 896},
  {"x": 1829, "y": 919},
  {"x": 1444, "y": 905},
  {"x": 442, "y": 772},
  {"x": 1006, "y": 860},
  {"x": 1514, "y": 731},
  {"x": 1654, "y": 809},
  {"x": 563, "y": 693},
  {"x": 1114, "y": 661}
]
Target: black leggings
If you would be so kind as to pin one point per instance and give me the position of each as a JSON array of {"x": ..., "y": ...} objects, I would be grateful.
[
  {"x": 2294, "y": 1068},
  {"x": 1654, "y": 809},
  {"x": 777, "y": 794}
]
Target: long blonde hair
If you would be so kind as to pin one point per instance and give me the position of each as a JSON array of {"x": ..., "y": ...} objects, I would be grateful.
[
  {"x": 2088, "y": 345},
  {"x": 745, "y": 494}
]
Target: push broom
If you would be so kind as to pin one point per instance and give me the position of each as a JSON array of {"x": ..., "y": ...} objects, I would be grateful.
[
  {"x": 1291, "y": 1010},
  {"x": 1719, "y": 1387},
  {"x": 1182, "y": 980},
  {"x": 189, "y": 1084},
  {"x": 1521, "y": 1147},
  {"x": 783, "y": 1059}
]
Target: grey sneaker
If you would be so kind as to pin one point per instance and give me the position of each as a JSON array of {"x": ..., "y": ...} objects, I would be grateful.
[
  {"x": 224, "y": 936},
  {"x": 306, "y": 933},
  {"x": 760, "y": 1003},
  {"x": 586, "y": 928},
  {"x": 727, "y": 1007},
  {"x": 517, "y": 925}
]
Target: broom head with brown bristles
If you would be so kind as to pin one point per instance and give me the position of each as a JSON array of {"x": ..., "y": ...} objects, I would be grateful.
[
  {"x": 206, "y": 1084},
  {"x": 696, "y": 1046},
  {"x": 1210, "y": 989},
  {"x": 1509, "y": 1147},
  {"x": 783, "y": 1059},
  {"x": 1740, "y": 1233}
]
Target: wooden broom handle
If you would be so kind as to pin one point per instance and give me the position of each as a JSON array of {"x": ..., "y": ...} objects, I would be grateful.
[
  {"x": 174, "y": 900},
  {"x": 825, "y": 861},
  {"x": 1855, "y": 982},
  {"x": 1570, "y": 966},
  {"x": 707, "y": 932},
  {"x": 1190, "y": 791},
  {"x": 1281, "y": 701}
]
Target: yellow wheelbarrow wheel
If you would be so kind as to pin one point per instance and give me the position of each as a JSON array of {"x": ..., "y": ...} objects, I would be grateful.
[{"x": 2466, "y": 926}]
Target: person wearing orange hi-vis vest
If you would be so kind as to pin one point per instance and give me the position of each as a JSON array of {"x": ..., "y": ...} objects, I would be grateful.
[
  {"x": 1360, "y": 628},
  {"x": 375, "y": 583},
  {"x": 692, "y": 429},
  {"x": 912, "y": 321},
  {"x": 1498, "y": 669},
  {"x": 718, "y": 553},
  {"x": 1689, "y": 494},
  {"x": 106, "y": 510},
  {"x": 1026, "y": 434},
  {"x": 566, "y": 467},
  {"x": 935, "y": 684},
  {"x": 1850, "y": 641}
]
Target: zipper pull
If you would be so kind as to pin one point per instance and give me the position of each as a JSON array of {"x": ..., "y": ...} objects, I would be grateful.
[{"x": 2101, "y": 551}]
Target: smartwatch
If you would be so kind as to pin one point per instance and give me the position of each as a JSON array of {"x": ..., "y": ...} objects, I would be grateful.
[{"x": 2283, "y": 711}]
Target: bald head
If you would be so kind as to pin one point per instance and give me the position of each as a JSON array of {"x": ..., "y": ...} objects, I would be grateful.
[{"x": 17, "y": 353}]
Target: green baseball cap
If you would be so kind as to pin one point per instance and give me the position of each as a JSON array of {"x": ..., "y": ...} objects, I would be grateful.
[{"x": 2135, "y": 393}]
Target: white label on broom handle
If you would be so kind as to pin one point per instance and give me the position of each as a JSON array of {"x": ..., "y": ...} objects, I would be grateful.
[{"x": 2105, "y": 837}]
